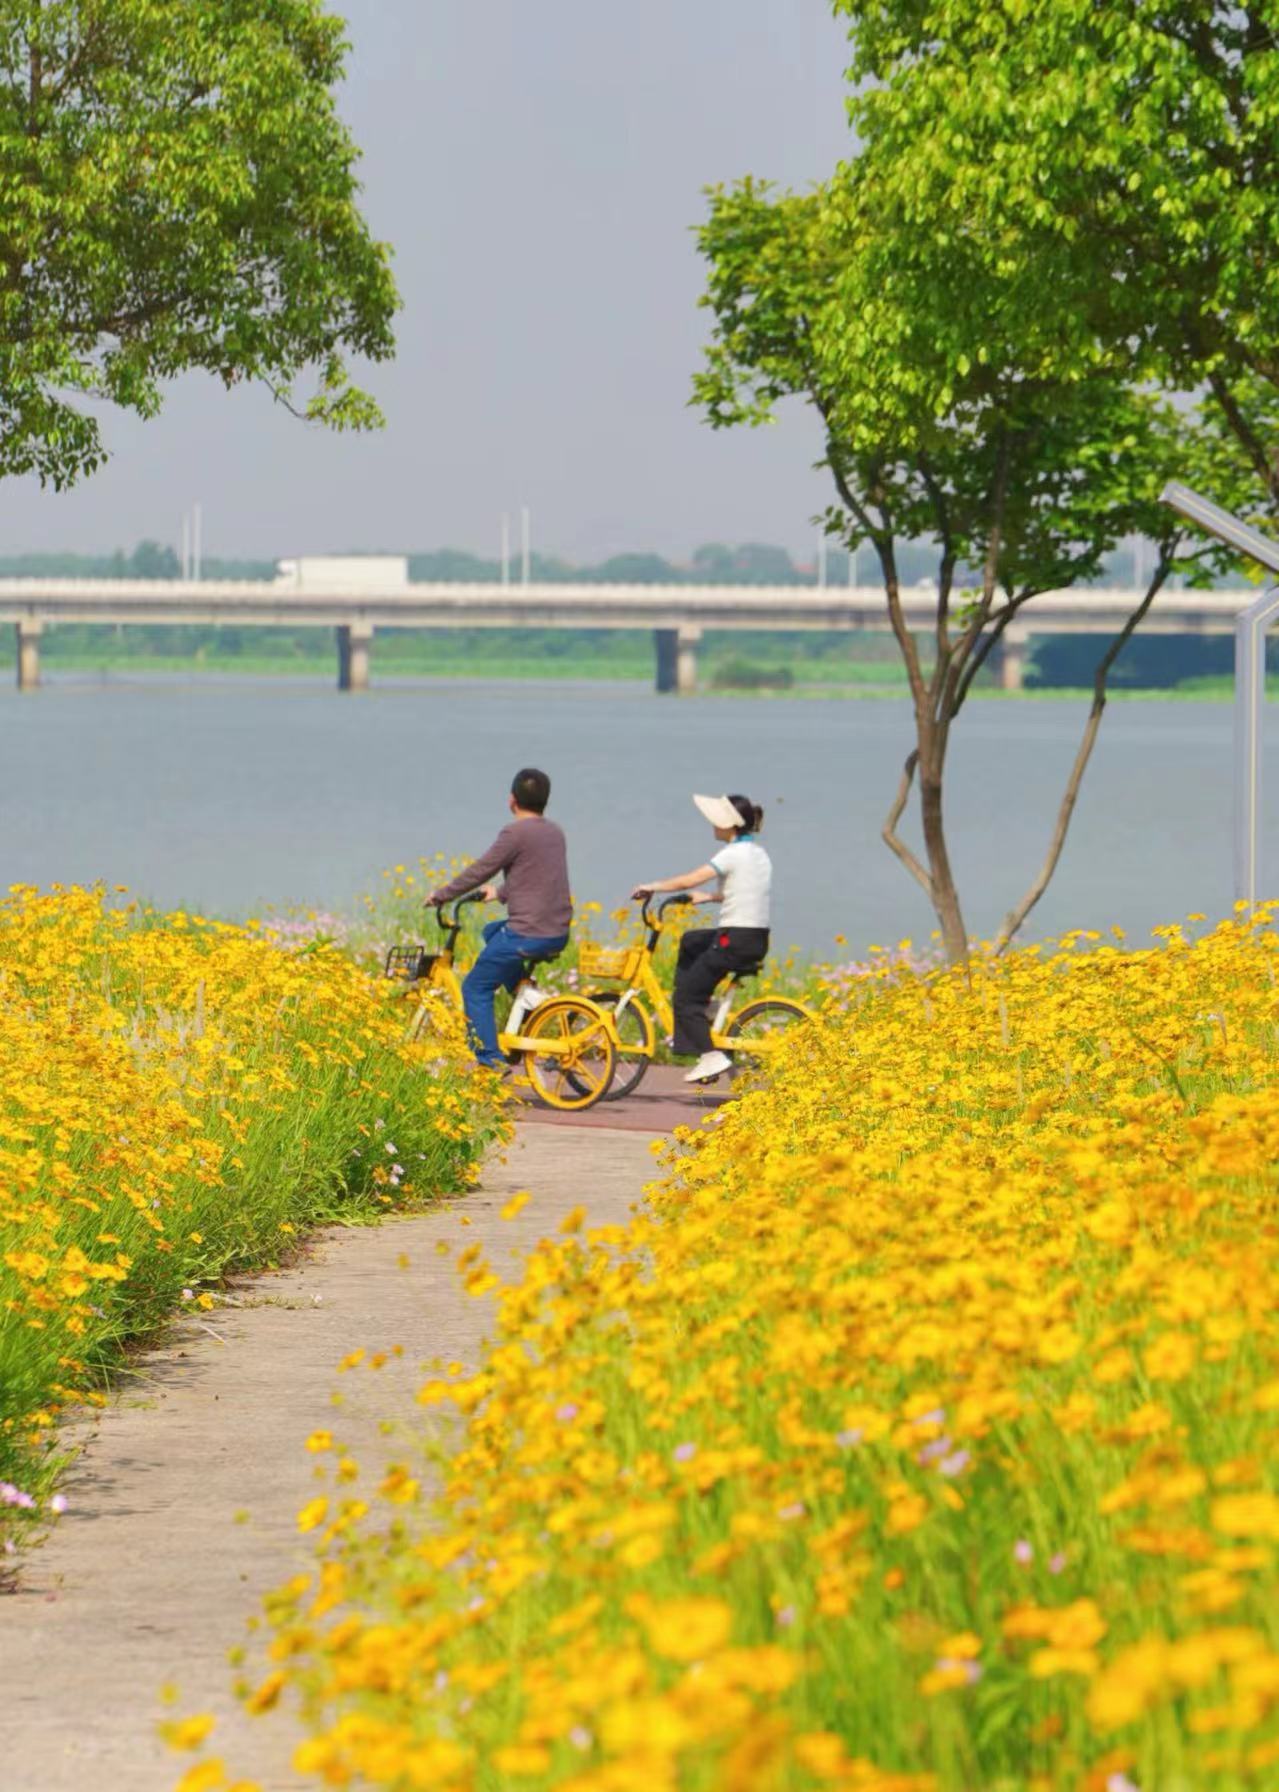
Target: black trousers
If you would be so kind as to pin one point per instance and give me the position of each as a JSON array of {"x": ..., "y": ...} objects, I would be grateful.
[{"x": 706, "y": 956}]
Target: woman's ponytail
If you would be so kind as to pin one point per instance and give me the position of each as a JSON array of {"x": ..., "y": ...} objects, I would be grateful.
[{"x": 751, "y": 813}]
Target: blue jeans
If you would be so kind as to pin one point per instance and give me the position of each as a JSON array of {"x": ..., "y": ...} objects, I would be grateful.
[{"x": 499, "y": 966}]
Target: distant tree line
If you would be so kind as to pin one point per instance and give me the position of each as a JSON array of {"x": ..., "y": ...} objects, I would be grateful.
[
  {"x": 149, "y": 560},
  {"x": 1058, "y": 661},
  {"x": 714, "y": 563}
]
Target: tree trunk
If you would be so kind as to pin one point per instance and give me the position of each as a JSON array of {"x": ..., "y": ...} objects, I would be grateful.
[
  {"x": 1016, "y": 916},
  {"x": 945, "y": 896}
]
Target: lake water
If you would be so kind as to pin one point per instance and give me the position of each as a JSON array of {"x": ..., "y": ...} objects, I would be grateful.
[{"x": 229, "y": 796}]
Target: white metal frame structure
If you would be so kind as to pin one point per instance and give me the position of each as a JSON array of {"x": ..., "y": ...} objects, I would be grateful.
[{"x": 1251, "y": 626}]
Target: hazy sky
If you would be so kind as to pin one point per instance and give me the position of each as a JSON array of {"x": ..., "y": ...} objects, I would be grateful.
[{"x": 537, "y": 169}]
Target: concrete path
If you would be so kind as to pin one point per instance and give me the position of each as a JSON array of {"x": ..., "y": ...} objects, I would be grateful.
[
  {"x": 662, "y": 1102},
  {"x": 153, "y": 1572}
]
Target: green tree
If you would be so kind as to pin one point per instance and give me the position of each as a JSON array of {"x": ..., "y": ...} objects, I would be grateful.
[
  {"x": 1005, "y": 468},
  {"x": 178, "y": 192},
  {"x": 150, "y": 560},
  {"x": 758, "y": 563},
  {"x": 713, "y": 563},
  {"x": 1093, "y": 182},
  {"x": 636, "y": 569}
]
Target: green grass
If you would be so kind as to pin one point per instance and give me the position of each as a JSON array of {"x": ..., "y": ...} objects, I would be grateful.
[{"x": 814, "y": 678}]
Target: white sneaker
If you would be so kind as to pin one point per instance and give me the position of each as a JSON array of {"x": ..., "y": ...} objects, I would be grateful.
[{"x": 708, "y": 1067}]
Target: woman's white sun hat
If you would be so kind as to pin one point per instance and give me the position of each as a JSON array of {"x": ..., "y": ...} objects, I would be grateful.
[{"x": 720, "y": 812}]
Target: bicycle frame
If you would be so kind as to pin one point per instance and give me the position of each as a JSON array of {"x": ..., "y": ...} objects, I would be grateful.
[
  {"x": 650, "y": 986},
  {"x": 444, "y": 978}
]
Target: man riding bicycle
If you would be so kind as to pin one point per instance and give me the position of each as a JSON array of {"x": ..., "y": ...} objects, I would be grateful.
[{"x": 532, "y": 856}]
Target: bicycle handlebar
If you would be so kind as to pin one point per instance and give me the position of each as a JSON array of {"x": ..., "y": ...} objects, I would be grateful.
[
  {"x": 655, "y": 921},
  {"x": 451, "y": 923}
]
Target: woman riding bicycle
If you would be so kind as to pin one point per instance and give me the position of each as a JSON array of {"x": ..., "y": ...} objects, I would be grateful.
[{"x": 742, "y": 873}]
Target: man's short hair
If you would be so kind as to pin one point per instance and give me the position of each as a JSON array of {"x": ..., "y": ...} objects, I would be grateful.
[{"x": 531, "y": 789}]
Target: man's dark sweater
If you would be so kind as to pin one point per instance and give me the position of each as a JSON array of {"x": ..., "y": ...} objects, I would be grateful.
[{"x": 534, "y": 857}]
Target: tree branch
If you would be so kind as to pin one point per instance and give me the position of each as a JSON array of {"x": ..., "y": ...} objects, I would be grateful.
[
  {"x": 35, "y": 86},
  {"x": 889, "y": 833},
  {"x": 990, "y": 640},
  {"x": 1016, "y": 917},
  {"x": 1248, "y": 439},
  {"x": 946, "y": 572},
  {"x": 949, "y": 703},
  {"x": 882, "y": 539},
  {"x": 86, "y": 51}
]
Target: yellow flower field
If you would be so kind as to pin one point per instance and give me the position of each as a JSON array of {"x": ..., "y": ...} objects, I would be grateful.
[
  {"x": 922, "y": 1435},
  {"x": 178, "y": 1098}
]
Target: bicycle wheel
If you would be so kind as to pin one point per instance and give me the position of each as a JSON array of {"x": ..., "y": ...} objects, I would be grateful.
[
  {"x": 635, "y": 1045},
  {"x": 438, "y": 1016},
  {"x": 572, "y": 1065},
  {"x": 762, "y": 1031},
  {"x": 432, "y": 1014}
]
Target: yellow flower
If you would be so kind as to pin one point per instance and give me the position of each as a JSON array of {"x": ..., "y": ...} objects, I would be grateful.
[
  {"x": 205, "y": 1776},
  {"x": 267, "y": 1694},
  {"x": 188, "y": 1732},
  {"x": 522, "y": 1759},
  {"x": 685, "y": 1629},
  {"x": 313, "y": 1514},
  {"x": 1246, "y": 1515},
  {"x": 1128, "y": 1685},
  {"x": 1170, "y": 1358}
]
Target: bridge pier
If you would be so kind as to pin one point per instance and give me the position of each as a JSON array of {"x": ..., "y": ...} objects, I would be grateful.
[
  {"x": 28, "y": 633},
  {"x": 676, "y": 650},
  {"x": 1014, "y": 651},
  {"x": 355, "y": 640}
]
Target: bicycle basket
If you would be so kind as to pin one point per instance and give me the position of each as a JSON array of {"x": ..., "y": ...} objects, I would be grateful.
[
  {"x": 614, "y": 964},
  {"x": 409, "y": 964}
]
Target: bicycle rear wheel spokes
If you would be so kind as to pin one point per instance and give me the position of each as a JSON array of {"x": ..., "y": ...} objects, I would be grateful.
[
  {"x": 571, "y": 1066},
  {"x": 761, "y": 1032},
  {"x": 635, "y": 1043},
  {"x": 432, "y": 1014}
]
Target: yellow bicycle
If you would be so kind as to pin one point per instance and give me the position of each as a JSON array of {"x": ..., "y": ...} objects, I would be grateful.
[
  {"x": 753, "y": 1033},
  {"x": 565, "y": 1044}
]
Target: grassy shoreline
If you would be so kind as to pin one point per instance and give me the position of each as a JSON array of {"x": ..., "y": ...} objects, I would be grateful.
[{"x": 820, "y": 682}]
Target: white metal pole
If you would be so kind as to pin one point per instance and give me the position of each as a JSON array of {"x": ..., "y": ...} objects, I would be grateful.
[
  {"x": 186, "y": 546},
  {"x": 1250, "y": 674},
  {"x": 526, "y": 525},
  {"x": 197, "y": 544},
  {"x": 506, "y": 549},
  {"x": 1248, "y": 700},
  {"x": 1250, "y": 706}
]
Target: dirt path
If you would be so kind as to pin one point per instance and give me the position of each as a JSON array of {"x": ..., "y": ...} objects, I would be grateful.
[{"x": 153, "y": 1572}]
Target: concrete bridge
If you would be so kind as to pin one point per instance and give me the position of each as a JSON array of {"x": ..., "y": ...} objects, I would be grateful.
[{"x": 360, "y": 596}]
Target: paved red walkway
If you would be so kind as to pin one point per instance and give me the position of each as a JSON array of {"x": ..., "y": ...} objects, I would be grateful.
[{"x": 662, "y": 1102}]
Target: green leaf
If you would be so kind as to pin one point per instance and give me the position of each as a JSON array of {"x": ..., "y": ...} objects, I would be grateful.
[{"x": 177, "y": 192}]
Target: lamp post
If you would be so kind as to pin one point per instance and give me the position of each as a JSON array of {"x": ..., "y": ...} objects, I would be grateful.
[{"x": 1250, "y": 676}]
